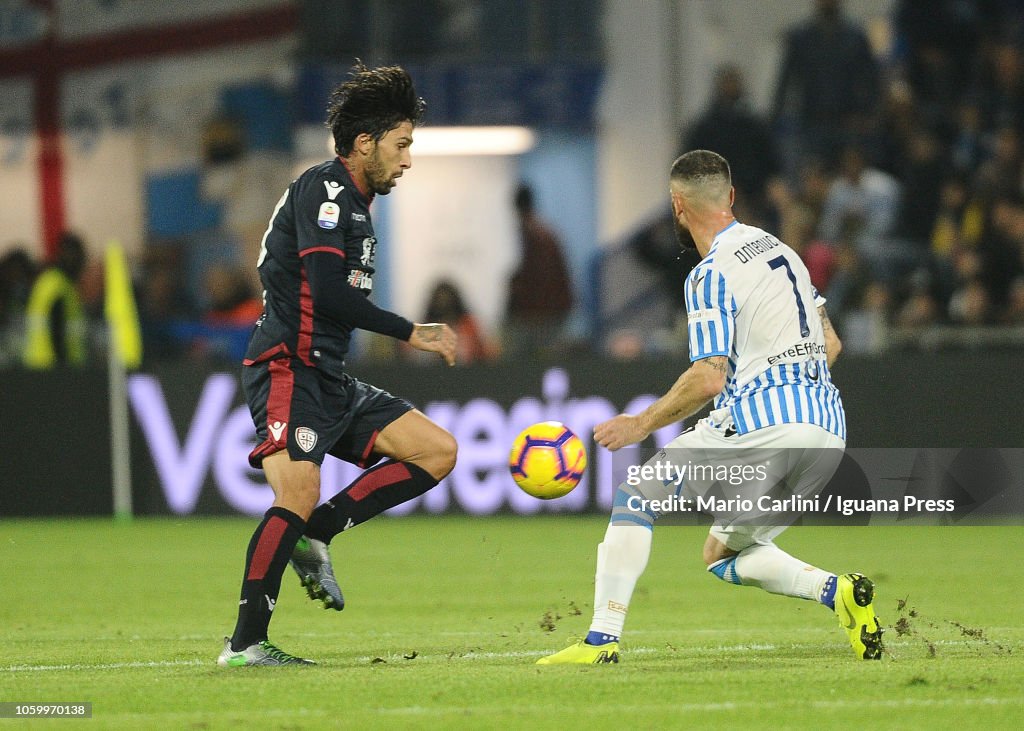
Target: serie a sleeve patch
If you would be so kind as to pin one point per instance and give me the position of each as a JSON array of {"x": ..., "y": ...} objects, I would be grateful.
[{"x": 328, "y": 215}]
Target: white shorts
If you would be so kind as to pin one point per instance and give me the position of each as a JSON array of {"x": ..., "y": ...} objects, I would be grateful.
[{"x": 801, "y": 458}]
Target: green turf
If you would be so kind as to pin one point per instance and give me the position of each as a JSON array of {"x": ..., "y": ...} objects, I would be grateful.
[{"x": 447, "y": 615}]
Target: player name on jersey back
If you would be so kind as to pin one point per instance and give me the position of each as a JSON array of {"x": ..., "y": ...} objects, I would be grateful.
[{"x": 762, "y": 245}]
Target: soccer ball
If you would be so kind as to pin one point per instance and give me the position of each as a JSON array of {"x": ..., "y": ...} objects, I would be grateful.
[{"x": 547, "y": 460}]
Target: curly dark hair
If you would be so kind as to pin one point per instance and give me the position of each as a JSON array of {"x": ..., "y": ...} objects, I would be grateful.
[{"x": 374, "y": 101}]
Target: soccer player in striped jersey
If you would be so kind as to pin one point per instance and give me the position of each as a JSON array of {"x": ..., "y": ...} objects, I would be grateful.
[{"x": 761, "y": 346}]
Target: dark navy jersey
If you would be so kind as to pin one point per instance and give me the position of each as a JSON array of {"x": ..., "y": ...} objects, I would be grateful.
[{"x": 322, "y": 213}]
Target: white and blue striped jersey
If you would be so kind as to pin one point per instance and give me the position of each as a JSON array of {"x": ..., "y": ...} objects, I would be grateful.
[{"x": 751, "y": 300}]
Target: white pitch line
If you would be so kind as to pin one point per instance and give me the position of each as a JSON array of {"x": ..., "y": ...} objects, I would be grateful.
[
  {"x": 470, "y": 655},
  {"x": 744, "y": 705},
  {"x": 376, "y": 635},
  {"x": 103, "y": 666},
  {"x": 511, "y": 654},
  {"x": 198, "y": 663},
  {"x": 519, "y": 653}
]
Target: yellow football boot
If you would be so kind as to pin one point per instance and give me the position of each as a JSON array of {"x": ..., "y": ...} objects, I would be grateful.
[
  {"x": 580, "y": 653},
  {"x": 854, "y": 594}
]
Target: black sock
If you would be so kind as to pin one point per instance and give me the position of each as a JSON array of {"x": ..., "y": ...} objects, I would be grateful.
[
  {"x": 269, "y": 550},
  {"x": 388, "y": 484}
]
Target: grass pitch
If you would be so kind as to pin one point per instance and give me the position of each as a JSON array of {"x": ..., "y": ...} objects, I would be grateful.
[{"x": 446, "y": 617}]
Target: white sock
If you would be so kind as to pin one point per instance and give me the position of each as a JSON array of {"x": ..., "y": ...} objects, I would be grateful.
[
  {"x": 621, "y": 559},
  {"x": 769, "y": 567}
]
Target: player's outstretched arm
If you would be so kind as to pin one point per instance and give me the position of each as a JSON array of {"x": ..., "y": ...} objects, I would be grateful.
[
  {"x": 434, "y": 337},
  {"x": 699, "y": 383},
  {"x": 833, "y": 345},
  {"x": 334, "y": 298}
]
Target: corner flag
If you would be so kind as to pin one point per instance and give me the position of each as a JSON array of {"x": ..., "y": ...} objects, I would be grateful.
[{"x": 119, "y": 308}]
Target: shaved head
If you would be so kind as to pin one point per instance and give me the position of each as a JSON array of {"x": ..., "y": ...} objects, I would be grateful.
[{"x": 702, "y": 177}]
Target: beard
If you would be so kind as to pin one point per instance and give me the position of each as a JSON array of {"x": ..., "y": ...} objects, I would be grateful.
[
  {"x": 683, "y": 236},
  {"x": 380, "y": 182}
]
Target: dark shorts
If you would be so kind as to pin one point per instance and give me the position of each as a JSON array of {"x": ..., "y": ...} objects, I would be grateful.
[{"x": 298, "y": 408}]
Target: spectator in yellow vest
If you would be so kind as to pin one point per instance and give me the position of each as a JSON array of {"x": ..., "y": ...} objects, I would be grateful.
[{"x": 55, "y": 323}]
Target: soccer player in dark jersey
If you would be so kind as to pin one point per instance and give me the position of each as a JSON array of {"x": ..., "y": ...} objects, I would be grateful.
[{"x": 316, "y": 264}]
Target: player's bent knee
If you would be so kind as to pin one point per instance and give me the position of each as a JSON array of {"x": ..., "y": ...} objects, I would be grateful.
[
  {"x": 630, "y": 508},
  {"x": 308, "y": 492},
  {"x": 300, "y": 499},
  {"x": 442, "y": 454},
  {"x": 296, "y": 484},
  {"x": 715, "y": 550}
]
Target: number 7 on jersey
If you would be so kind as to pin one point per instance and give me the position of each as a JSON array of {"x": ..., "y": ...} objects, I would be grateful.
[{"x": 780, "y": 262}]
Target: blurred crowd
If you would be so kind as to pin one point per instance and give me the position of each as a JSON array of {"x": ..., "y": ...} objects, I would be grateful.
[
  {"x": 899, "y": 180},
  {"x": 52, "y": 314},
  {"x": 898, "y": 177}
]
